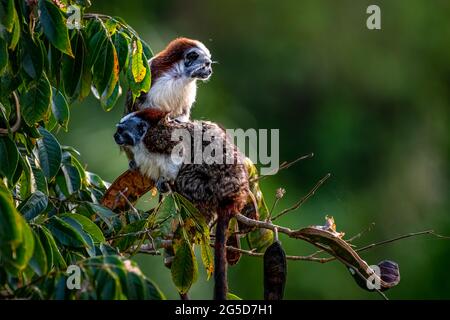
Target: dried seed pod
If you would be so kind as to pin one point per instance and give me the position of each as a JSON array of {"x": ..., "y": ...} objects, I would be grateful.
[
  {"x": 275, "y": 271},
  {"x": 389, "y": 272},
  {"x": 386, "y": 277}
]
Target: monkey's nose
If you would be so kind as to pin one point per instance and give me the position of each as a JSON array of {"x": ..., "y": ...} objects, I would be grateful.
[{"x": 208, "y": 63}]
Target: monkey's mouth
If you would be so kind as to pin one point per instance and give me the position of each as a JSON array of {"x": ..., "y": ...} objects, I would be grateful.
[
  {"x": 123, "y": 139},
  {"x": 203, "y": 72}
]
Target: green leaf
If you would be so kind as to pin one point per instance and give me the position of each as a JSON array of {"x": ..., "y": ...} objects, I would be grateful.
[
  {"x": 60, "y": 108},
  {"x": 34, "y": 205},
  {"x": 3, "y": 55},
  {"x": 88, "y": 226},
  {"x": 111, "y": 101},
  {"x": 105, "y": 214},
  {"x": 38, "y": 180},
  {"x": 72, "y": 178},
  {"x": 122, "y": 43},
  {"x": 72, "y": 67},
  {"x": 145, "y": 83},
  {"x": 10, "y": 227},
  {"x": 153, "y": 291},
  {"x": 36, "y": 101},
  {"x": 33, "y": 56},
  {"x": 207, "y": 257},
  {"x": 9, "y": 157},
  {"x": 15, "y": 33},
  {"x": 106, "y": 71},
  {"x": 88, "y": 241},
  {"x": 49, "y": 152},
  {"x": 65, "y": 233},
  {"x": 54, "y": 26},
  {"x": 16, "y": 238},
  {"x": 54, "y": 257},
  {"x": 38, "y": 261},
  {"x": 125, "y": 242},
  {"x": 97, "y": 38},
  {"x": 231, "y": 296},
  {"x": 7, "y": 14},
  {"x": 184, "y": 267}
]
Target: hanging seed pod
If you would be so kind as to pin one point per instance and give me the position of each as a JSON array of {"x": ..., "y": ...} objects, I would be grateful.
[
  {"x": 233, "y": 241},
  {"x": 275, "y": 271},
  {"x": 387, "y": 277},
  {"x": 390, "y": 273}
]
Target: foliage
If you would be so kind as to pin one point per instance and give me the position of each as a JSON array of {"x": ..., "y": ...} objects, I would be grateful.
[{"x": 50, "y": 217}]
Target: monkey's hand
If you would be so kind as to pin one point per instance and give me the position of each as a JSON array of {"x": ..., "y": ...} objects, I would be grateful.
[{"x": 163, "y": 186}]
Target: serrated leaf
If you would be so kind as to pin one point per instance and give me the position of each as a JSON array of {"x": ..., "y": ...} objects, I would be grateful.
[
  {"x": 34, "y": 205},
  {"x": 36, "y": 101},
  {"x": 60, "y": 108},
  {"x": 54, "y": 26},
  {"x": 9, "y": 157},
  {"x": 184, "y": 267},
  {"x": 49, "y": 152}
]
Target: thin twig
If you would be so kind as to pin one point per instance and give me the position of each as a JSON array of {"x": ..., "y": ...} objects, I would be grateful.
[
  {"x": 304, "y": 199},
  {"x": 283, "y": 166},
  {"x": 409, "y": 235}
]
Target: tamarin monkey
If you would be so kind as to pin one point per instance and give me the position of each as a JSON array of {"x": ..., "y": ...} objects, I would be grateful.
[
  {"x": 175, "y": 72},
  {"x": 220, "y": 186}
]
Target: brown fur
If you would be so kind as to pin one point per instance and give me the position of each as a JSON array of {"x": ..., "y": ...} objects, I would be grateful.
[{"x": 173, "y": 53}]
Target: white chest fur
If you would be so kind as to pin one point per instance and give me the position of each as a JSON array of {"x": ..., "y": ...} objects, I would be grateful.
[
  {"x": 155, "y": 165},
  {"x": 173, "y": 92}
]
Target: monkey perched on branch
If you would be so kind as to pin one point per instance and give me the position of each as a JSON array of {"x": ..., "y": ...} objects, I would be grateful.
[
  {"x": 218, "y": 187},
  {"x": 175, "y": 71}
]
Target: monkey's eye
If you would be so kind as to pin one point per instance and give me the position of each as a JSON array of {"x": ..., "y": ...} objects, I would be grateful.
[{"x": 192, "y": 56}]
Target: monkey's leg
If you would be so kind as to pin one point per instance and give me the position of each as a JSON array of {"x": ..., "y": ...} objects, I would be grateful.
[{"x": 220, "y": 257}]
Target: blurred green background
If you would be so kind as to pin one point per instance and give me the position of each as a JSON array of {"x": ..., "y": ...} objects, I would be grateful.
[{"x": 372, "y": 105}]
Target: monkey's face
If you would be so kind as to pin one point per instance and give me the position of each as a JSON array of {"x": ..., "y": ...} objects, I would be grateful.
[
  {"x": 130, "y": 131},
  {"x": 197, "y": 63}
]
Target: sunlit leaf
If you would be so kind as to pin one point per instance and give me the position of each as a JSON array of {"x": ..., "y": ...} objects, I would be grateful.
[{"x": 184, "y": 267}]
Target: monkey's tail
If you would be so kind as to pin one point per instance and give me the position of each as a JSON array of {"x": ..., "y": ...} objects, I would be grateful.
[{"x": 220, "y": 255}]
